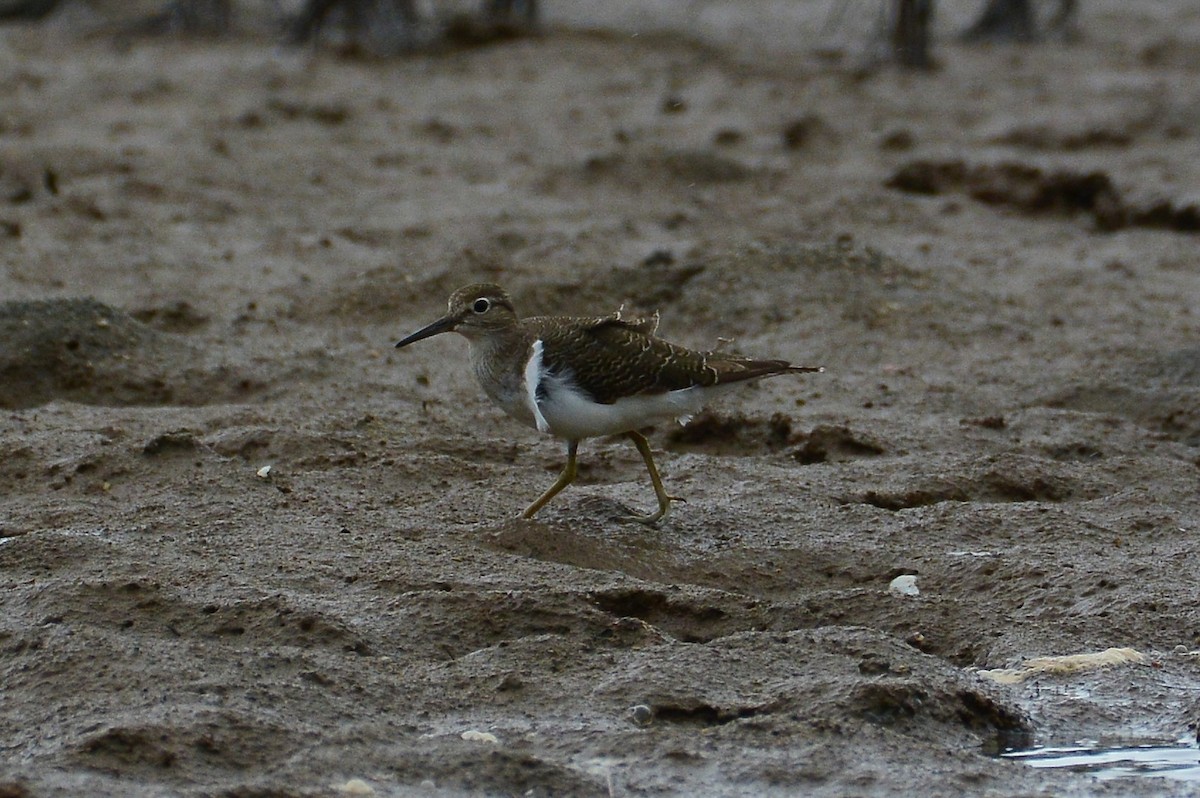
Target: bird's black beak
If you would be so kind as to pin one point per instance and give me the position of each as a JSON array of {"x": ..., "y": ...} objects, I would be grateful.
[{"x": 444, "y": 324}]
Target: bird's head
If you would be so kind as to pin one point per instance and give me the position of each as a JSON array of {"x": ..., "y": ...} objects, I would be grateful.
[{"x": 474, "y": 311}]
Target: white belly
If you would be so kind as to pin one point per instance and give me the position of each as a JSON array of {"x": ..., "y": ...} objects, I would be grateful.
[{"x": 571, "y": 415}]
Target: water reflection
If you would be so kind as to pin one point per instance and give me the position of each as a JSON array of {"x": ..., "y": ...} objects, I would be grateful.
[{"x": 1175, "y": 760}]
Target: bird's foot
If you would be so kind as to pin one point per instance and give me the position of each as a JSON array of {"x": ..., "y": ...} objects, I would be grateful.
[{"x": 650, "y": 519}]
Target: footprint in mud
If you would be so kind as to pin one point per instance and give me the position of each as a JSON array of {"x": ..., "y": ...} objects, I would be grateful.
[
  {"x": 1161, "y": 394},
  {"x": 1010, "y": 479},
  {"x": 190, "y": 746},
  {"x": 691, "y": 615},
  {"x": 587, "y": 542}
]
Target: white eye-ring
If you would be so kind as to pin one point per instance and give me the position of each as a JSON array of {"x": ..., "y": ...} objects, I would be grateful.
[{"x": 482, "y": 305}]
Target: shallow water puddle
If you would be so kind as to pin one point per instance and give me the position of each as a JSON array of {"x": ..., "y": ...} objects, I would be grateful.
[{"x": 1177, "y": 760}]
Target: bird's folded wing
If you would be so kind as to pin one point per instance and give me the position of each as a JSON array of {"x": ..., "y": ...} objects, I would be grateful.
[{"x": 611, "y": 358}]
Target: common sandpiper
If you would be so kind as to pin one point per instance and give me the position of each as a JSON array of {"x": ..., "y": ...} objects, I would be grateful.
[{"x": 585, "y": 377}]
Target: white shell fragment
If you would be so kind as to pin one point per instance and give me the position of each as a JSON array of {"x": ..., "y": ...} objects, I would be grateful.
[
  {"x": 904, "y": 585},
  {"x": 263, "y": 472},
  {"x": 473, "y": 736},
  {"x": 1066, "y": 665}
]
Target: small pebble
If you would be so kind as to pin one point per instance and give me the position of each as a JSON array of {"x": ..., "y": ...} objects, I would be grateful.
[
  {"x": 642, "y": 715},
  {"x": 264, "y": 472},
  {"x": 904, "y": 585},
  {"x": 356, "y": 787}
]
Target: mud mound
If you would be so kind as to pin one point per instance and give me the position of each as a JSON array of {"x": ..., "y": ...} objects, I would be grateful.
[
  {"x": 1033, "y": 190},
  {"x": 731, "y": 434},
  {"x": 81, "y": 350},
  {"x": 715, "y": 433},
  {"x": 833, "y": 442},
  {"x": 835, "y": 677},
  {"x": 185, "y": 749}
]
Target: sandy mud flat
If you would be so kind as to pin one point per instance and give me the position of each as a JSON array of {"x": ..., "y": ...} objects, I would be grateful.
[{"x": 208, "y": 248}]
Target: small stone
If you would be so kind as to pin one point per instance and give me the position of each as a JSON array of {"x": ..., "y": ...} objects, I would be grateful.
[
  {"x": 356, "y": 787},
  {"x": 673, "y": 105},
  {"x": 904, "y": 585},
  {"x": 263, "y": 472},
  {"x": 897, "y": 140},
  {"x": 642, "y": 715},
  {"x": 511, "y": 681},
  {"x": 800, "y": 132}
]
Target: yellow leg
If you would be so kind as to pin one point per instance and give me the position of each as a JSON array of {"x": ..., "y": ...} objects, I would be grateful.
[
  {"x": 565, "y": 478},
  {"x": 664, "y": 499}
]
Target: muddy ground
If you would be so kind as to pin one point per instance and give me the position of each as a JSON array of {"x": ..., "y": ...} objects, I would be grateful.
[{"x": 209, "y": 247}]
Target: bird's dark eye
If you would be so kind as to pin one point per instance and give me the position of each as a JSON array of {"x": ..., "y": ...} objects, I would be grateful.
[{"x": 481, "y": 305}]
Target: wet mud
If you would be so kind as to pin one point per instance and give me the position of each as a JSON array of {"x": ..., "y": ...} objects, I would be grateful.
[{"x": 247, "y": 548}]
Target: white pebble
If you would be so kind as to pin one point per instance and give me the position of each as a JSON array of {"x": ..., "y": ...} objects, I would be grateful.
[
  {"x": 356, "y": 787},
  {"x": 473, "y": 736},
  {"x": 905, "y": 585},
  {"x": 264, "y": 472}
]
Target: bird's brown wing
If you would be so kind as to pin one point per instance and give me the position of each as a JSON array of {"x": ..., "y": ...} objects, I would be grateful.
[{"x": 610, "y": 358}]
